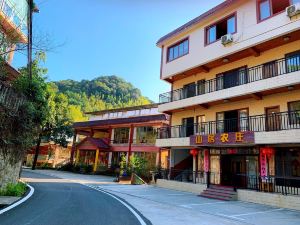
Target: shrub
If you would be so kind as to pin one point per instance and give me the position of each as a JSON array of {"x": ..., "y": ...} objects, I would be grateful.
[{"x": 11, "y": 189}]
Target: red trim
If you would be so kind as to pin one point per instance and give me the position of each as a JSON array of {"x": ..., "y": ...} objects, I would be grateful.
[
  {"x": 271, "y": 10},
  {"x": 130, "y": 139},
  {"x": 178, "y": 43},
  {"x": 215, "y": 23}
]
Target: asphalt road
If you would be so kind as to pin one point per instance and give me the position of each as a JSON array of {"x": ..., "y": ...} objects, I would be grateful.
[{"x": 58, "y": 202}]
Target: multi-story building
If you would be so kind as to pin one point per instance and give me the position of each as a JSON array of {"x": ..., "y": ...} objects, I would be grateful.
[
  {"x": 235, "y": 96},
  {"x": 109, "y": 134},
  {"x": 13, "y": 31}
]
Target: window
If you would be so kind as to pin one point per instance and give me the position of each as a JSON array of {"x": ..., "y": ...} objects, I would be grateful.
[
  {"x": 268, "y": 8},
  {"x": 294, "y": 112},
  {"x": 201, "y": 87},
  {"x": 121, "y": 135},
  {"x": 201, "y": 124},
  {"x": 293, "y": 62},
  {"x": 178, "y": 50},
  {"x": 216, "y": 31}
]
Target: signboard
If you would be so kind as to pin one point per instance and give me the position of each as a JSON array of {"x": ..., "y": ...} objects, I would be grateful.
[
  {"x": 263, "y": 165},
  {"x": 231, "y": 138}
]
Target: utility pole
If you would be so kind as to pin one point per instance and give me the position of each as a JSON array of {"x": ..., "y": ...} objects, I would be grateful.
[{"x": 29, "y": 45}]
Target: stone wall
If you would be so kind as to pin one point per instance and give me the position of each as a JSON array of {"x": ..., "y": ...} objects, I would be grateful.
[{"x": 8, "y": 173}]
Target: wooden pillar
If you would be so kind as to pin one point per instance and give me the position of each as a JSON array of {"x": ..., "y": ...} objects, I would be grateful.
[
  {"x": 96, "y": 160},
  {"x": 130, "y": 142},
  {"x": 77, "y": 156},
  {"x": 73, "y": 147},
  {"x": 109, "y": 159}
]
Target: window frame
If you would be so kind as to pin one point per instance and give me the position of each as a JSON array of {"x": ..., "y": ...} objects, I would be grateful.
[
  {"x": 271, "y": 10},
  {"x": 215, "y": 23},
  {"x": 177, "y": 44}
]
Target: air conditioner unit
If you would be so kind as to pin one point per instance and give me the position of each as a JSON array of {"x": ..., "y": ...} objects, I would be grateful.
[
  {"x": 226, "y": 39},
  {"x": 293, "y": 10}
]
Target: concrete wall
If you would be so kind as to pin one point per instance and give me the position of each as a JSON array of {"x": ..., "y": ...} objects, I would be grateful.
[
  {"x": 181, "y": 186},
  {"x": 277, "y": 200},
  {"x": 249, "y": 33}
]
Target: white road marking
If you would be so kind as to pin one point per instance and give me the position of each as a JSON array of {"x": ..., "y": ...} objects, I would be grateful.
[
  {"x": 20, "y": 201},
  {"x": 247, "y": 214},
  {"x": 197, "y": 204},
  {"x": 139, "y": 218}
]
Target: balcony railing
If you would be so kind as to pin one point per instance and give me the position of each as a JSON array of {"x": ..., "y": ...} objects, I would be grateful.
[
  {"x": 238, "y": 77},
  {"x": 259, "y": 123}
]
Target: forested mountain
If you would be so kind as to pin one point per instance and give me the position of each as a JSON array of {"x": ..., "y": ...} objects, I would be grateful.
[{"x": 103, "y": 92}]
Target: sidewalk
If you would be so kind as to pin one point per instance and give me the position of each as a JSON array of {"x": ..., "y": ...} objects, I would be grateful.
[{"x": 168, "y": 207}]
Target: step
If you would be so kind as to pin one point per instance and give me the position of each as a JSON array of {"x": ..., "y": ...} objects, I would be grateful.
[
  {"x": 215, "y": 197},
  {"x": 220, "y": 187},
  {"x": 221, "y": 190},
  {"x": 220, "y": 193}
]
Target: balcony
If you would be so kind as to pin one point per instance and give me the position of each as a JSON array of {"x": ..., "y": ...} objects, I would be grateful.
[
  {"x": 13, "y": 15},
  {"x": 282, "y": 121},
  {"x": 204, "y": 91}
]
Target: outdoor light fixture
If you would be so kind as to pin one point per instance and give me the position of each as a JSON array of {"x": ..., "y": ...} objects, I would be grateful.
[
  {"x": 290, "y": 88},
  {"x": 225, "y": 60},
  {"x": 286, "y": 38},
  {"x": 226, "y": 100}
]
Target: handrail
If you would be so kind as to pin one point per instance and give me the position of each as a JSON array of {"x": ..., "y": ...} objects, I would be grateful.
[
  {"x": 244, "y": 76},
  {"x": 259, "y": 123}
]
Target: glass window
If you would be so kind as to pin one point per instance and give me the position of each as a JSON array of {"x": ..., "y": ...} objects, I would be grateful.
[
  {"x": 264, "y": 10},
  {"x": 231, "y": 25},
  {"x": 220, "y": 122},
  {"x": 7, "y": 9},
  {"x": 121, "y": 135},
  {"x": 293, "y": 62},
  {"x": 201, "y": 124},
  {"x": 185, "y": 47},
  {"x": 178, "y": 50},
  {"x": 211, "y": 34},
  {"x": 243, "y": 117},
  {"x": 294, "y": 112}
]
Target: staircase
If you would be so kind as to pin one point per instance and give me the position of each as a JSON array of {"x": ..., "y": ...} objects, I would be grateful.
[{"x": 220, "y": 192}]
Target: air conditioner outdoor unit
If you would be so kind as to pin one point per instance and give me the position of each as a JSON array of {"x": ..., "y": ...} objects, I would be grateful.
[
  {"x": 293, "y": 10},
  {"x": 226, "y": 39}
]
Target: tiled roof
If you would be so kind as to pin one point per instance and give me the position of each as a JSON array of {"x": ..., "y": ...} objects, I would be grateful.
[
  {"x": 97, "y": 142},
  {"x": 139, "y": 119},
  {"x": 196, "y": 20}
]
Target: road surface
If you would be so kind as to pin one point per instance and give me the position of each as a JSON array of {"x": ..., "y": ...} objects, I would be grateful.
[{"x": 61, "y": 202}]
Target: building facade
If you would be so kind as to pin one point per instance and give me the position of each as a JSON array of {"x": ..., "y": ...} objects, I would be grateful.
[
  {"x": 235, "y": 96},
  {"x": 111, "y": 134},
  {"x": 13, "y": 31}
]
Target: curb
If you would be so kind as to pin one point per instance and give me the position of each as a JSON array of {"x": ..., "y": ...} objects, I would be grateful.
[{"x": 15, "y": 204}]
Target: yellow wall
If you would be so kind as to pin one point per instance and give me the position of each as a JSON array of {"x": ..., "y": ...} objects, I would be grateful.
[
  {"x": 256, "y": 107},
  {"x": 276, "y": 53},
  {"x": 101, "y": 135}
]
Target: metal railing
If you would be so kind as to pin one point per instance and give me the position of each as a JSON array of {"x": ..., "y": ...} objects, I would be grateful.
[
  {"x": 240, "y": 77},
  {"x": 286, "y": 185},
  {"x": 259, "y": 123}
]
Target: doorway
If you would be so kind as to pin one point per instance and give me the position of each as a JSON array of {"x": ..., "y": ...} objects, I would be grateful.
[
  {"x": 273, "y": 118},
  {"x": 188, "y": 126},
  {"x": 233, "y": 167}
]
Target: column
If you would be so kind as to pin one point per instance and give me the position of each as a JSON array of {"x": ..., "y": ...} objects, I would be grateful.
[
  {"x": 77, "y": 156},
  {"x": 131, "y": 132},
  {"x": 109, "y": 159},
  {"x": 96, "y": 160},
  {"x": 158, "y": 158},
  {"x": 194, "y": 168},
  {"x": 73, "y": 147}
]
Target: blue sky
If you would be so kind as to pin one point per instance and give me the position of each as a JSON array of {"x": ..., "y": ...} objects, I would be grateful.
[{"x": 111, "y": 37}]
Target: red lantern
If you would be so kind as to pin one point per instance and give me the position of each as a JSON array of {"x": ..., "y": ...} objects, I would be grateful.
[
  {"x": 194, "y": 152},
  {"x": 267, "y": 151}
]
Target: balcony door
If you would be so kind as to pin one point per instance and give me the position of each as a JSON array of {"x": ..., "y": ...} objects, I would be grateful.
[
  {"x": 189, "y": 90},
  {"x": 270, "y": 69},
  {"x": 232, "y": 121},
  {"x": 187, "y": 126},
  {"x": 231, "y": 78},
  {"x": 273, "y": 119}
]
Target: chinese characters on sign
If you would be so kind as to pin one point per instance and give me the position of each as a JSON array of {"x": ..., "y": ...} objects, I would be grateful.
[{"x": 223, "y": 138}]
